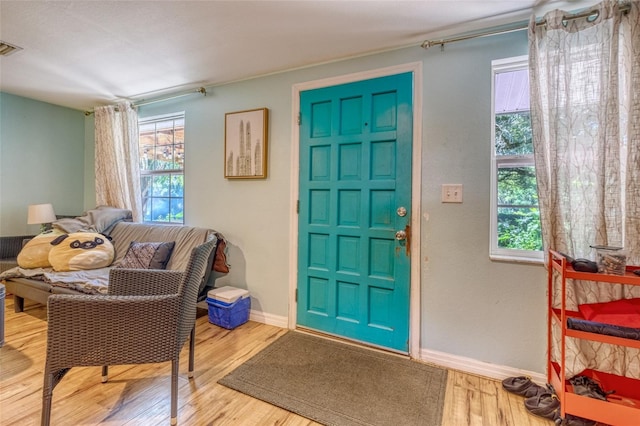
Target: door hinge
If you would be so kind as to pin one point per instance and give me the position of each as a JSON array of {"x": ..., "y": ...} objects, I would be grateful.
[
  {"x": 298, "y": 206},
  {"x": 296, "y": 295},
  {"x": 299, "y": 119}
]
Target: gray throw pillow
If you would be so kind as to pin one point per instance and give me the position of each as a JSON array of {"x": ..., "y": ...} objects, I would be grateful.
[{"x": 147, "y": 255}]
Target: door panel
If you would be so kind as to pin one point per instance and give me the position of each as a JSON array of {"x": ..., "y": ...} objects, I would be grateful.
[{"x": 355, "y": 171}]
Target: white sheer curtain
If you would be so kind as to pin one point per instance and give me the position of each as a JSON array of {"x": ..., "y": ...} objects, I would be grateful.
[
  {"x": 585, "y": 108},
  {"x": 116, "y": 158}
]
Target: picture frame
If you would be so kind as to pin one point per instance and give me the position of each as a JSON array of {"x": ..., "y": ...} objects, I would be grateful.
[{"x": 245, "y": 144}]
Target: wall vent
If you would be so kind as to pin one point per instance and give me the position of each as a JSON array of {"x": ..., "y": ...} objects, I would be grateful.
[{"x": 7, "y": 49}]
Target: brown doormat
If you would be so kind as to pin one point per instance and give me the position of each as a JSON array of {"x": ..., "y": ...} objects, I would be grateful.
[{"x": 339, "y": 384}]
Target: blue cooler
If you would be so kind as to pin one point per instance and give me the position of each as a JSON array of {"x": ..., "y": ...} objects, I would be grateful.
[{"x": 228, "y": 306}]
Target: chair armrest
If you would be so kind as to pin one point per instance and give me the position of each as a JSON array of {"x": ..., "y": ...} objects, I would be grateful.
[
  {"x": 143, "y": 282},
  {"x": 104, "y": 330}
]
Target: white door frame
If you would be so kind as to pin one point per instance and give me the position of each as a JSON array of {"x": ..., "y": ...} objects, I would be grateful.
[{"x": 414, "y": 305}]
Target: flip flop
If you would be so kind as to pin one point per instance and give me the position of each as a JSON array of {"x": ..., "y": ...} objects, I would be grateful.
[
  {"x": 523, "y": 386},
  {"x": 545, "y": 405}
]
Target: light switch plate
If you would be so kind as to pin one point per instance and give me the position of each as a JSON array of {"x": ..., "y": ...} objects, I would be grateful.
[{"x": 451, "y": 193}]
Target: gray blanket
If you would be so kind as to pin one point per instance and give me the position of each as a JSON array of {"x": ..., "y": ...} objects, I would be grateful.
[
  {"x": 101, "y": 220},
  {"x": 93, "y": 281}
]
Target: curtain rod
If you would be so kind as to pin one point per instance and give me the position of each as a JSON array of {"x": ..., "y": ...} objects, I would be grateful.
[
  {"x": 624, "y": 8},
  {"x": 430, "y": 43},
  {"x": 142, "y": 102}
]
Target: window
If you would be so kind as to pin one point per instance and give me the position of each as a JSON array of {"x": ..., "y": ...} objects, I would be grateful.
[
  {"x": 161, "y": 147},
  {"x": 515, "y": 217}
]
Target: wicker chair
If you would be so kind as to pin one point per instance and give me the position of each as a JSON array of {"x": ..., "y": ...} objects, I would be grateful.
[{"x": 146, "y": 318}]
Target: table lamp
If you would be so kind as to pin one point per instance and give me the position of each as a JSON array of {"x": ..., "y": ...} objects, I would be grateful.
[{"x": 42, "y": 214}]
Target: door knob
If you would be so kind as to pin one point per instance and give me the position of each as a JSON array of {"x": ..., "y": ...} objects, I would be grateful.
[{"x": 401, "y": 235}]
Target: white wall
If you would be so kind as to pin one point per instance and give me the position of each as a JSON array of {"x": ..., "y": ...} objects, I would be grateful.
[{"x": 472, "y": 307}]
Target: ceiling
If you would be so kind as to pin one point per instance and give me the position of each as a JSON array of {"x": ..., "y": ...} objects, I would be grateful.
[{"x": 81, "y": 54}]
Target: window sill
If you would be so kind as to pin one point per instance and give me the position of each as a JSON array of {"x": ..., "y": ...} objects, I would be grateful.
[{"x": 517, "y": 259}]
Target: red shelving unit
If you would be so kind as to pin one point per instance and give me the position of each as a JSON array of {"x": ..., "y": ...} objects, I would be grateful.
[{"x": 621, "y": 408}]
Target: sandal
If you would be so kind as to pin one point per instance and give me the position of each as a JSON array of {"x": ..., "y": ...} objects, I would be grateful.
[
  {"x": 571, "y": 420},
  {"x": 523, "y": 386},
  {"x": 545, "y": 405}
]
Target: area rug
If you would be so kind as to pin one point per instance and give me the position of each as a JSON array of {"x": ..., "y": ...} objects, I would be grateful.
[{"x": 339, "y": 384}]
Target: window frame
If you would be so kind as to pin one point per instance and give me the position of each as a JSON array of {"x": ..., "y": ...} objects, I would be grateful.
[
  {"x": 495, "y": 252},
  {"x": 169, "y": 172}
]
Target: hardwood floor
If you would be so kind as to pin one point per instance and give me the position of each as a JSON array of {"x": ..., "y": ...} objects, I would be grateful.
[{"x": 139, "y": 394}]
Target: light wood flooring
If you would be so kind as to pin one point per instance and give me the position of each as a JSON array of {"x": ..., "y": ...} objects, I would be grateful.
[{"x": 139, "y": 394}]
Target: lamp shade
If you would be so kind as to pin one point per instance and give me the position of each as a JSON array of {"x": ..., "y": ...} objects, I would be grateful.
[{"x": 40, "y": 213}]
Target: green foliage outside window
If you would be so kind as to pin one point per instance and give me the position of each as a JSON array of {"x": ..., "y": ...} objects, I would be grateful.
[
  {"x": 513, "y": 134},
  {"x": 518, "y": 212},
  {"x": 162, "y": 170},
  {"x": 162, "y": 197}
]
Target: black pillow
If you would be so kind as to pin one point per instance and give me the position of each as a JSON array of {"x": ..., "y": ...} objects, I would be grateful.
[{"x": 147, "y": 255}]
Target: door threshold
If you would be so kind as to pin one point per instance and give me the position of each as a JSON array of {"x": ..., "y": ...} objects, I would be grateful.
[{"x": 352, "y": 342}]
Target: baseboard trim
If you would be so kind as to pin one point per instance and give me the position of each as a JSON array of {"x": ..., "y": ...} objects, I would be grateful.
[
  {"x": 473, "y": 366},
  {"x": 269, "y": 319}
]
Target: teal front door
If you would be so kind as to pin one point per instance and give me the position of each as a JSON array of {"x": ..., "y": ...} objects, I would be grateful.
[{"x": 355, "y": 207}]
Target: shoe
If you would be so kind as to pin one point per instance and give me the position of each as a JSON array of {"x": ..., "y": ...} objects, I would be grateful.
[
  {"x": 545, "y": 405},
  {"x": 586, "y": 386},
  {"x": 523, "y": 386},
  {"x": 571, "y": 420}
]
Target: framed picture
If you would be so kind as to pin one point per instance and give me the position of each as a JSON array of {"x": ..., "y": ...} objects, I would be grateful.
[{"x": 245, "y": 144}]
